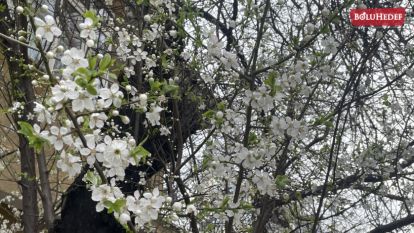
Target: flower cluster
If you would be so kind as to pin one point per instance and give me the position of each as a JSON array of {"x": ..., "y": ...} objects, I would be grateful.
[{"x": 291, "y": 127}]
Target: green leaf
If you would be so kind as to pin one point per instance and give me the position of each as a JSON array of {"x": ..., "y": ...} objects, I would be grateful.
[
  {"x": 206, "y": 161},
  {"x": 385, "y": 100},
  {"x": 143, "y": 152},
  {"x": 35, "y": 141},
  {"x": 81, "y": 82},
  {"x": 92, "y": 62},
  {"x": 271, "y": 83},
  {"x": 115, "y": 206},
  {"x": 281, "y": 181},
  {"x": 139, "y": 153},
  {"x": 324, "y": 120},
  {"x": 113, "y": 76},
  {"x": 164, "y": 61},
  {"x": 209, "y": 114},
  {"x": 221, "y": 106},
  {"x": 92, "y": 178},
  {"x": 155, "y": 85},
  {"x": 91, "y": 89},
  {"x": 253, "y": 139},
  {"x": 170, "y": 89},
  {"x": 91, "y": 15},
  {"x": 105, "y": 62},
  {"x": 224, "y": 202},
  {"x": 2, "y": 7},
  {"x": 82, "y": 71},
  {"x": 25, "y": 128},
  {"x": 139, "y": 2},
  {"x": 325, "y": 29}
]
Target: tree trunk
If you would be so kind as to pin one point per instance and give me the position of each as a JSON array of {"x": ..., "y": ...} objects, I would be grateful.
[{"x": 17, "y": 55}]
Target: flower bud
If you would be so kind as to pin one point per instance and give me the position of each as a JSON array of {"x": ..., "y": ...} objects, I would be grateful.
[
  {"x": 19, "y": 9},
  {"x": 45, "y": 77},
  {"x": 177, "y": 206},
  {"x": 128, "y": 87},
  {"x": 45, "y": 7},
  {"x": 132, "y": 142},
  {"x": 39, "y": 37},
  {"x": 325, "y": 12},
  {"x": 125, "y": 120},
  {"x": 90, "y": 43},
  {"x": 143, "y": 97},
  {"x": 34, "y": 82},
  {"x": 50, "y": 54},
  {"x": 310, "y": 28},
  {"x": 174, "y": 217},
  {"x": 219, "y": 114},
  {"x": 173, "y": 33},
  {"x": 124, "y": 218},
  {"x": 22, "y": 39},
  {"x": 60, "y": 49},
  {"x": 115, "y": 113},
  {"x": 100, "y": 56},
  {"x": 21, "y": 33}
]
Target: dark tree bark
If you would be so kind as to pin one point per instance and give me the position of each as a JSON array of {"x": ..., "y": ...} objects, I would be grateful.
[{"x": 17, "y": 55}]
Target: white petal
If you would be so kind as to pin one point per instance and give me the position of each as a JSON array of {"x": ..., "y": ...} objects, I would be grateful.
[
  {"x": 38, "y": 22},
  {"x": 58, "y": 97},
  {"x": 92, "y": 35},
  {"x": 117, "y": 102},
  {"x": 49, "y": 20},
  {"x": 68, "y": 140},
  {"x": 58, "y": 145},
  {"x": 40, "y": 31},
  {"x": 49, "y": 36},
  {"x": 88, "y": 22},
  {"x": 77, "y": 105},
  {"x": 54, "y": 130},
  {"x": 56, "y": 31},
  {"x": 114, "y": 88},
  {"x": 84, "y": 34},
  {"x": 66, "y": 60},
  {"x": 90, "y": 160},
  {"x": 90, "y": 141},
  {"x": 63, "y": 130},
  {"x": 72, "y": 95},
  {"x": 83, "y": 63},
  {"x": 156, "y": 192},
  {"x": 99, "y": 124},
  {"x": 105, "y": 93},
  {"x": 89, "y": 104},
  {"x": 85, "y": 151}
]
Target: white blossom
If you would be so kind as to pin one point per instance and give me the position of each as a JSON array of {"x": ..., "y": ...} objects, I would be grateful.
[
  {"x": 112, "y": 96},
  {"x": 84, "y": 101},
  {"x": 69, "y": 164},
  {"x": 74, "y": 58},
  {"x": 42, "y": 114},
  {"x": 153, "y": 116},
  {"x": 47, "y": 28},
  {"x": 60, "y": 136},
  {"x": 87, "y": 29}
]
